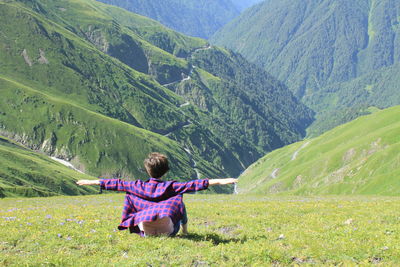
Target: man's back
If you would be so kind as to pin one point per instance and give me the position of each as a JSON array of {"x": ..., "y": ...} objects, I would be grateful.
[{"x": 147, "y": 201}]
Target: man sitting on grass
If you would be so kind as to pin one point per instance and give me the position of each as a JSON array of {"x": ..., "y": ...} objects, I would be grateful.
[{"x": 155, "y": 207}]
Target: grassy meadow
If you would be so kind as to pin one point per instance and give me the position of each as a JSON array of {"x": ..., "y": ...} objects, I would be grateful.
[{"x": 227, "y": 230}]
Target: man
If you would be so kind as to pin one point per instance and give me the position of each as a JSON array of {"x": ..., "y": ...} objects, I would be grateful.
[{"x": 155, "y": 207}]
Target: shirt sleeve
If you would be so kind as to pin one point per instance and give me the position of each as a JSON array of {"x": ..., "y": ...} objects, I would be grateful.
[
  {"x": 121, "y": 185},
  {"x": 191, "y": 186}
]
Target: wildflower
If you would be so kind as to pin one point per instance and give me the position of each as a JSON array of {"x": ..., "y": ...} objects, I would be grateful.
[
  {"x": 68, "y": 238},
  {"x": 10, "y": 218},
  {"x": 48, "y": 216},
  {"x": 349, "y": 221},
  {"x": 62, "y": 223},
  {"x": 59, "y": 235}
]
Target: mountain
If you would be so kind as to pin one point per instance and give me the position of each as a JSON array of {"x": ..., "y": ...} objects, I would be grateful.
[
  {"x": 200, "y": 18},
  {"x": 343, "y": 54},
  {"x": 341, "y": 102},
  {"x": 101, "y": 87},
  {"x": 357, "y": 158},
  {"x": 22, "y": 174},
  {"x": 243, "y": 4}
]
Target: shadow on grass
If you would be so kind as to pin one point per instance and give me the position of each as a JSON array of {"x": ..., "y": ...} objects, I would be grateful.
[{"x": 211, "y": 237}]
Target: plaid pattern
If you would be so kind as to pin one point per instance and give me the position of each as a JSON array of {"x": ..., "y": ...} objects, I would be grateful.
[{"x": 152, "y": 199}]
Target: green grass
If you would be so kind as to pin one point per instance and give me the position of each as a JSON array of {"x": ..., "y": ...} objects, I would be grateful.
[
  {"x": 232, "y": 230},
  {"x": 360, "y": 157}
]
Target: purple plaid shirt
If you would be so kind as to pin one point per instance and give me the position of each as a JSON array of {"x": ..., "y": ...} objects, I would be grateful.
[{"x": 152, "y": 199}]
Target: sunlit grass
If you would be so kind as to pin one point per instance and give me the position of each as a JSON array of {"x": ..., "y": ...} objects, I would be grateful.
[
  {"x": 360, "y": 157},
  {"x": 224, "y": 230}
]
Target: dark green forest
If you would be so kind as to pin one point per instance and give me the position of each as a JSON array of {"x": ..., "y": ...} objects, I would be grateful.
[
  {"x": 199, "y": 18},
  {"x": 337, "y": 56}
]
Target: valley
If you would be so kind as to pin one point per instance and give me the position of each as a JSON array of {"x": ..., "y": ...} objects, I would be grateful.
[
  {"x": 299, "y": 100},
  {"x": 106, "y": 89},
  {"x": 100, "y": 92}
]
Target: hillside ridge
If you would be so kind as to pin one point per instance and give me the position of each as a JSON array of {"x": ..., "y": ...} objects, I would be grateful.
[{"x": 357, "y": 158}]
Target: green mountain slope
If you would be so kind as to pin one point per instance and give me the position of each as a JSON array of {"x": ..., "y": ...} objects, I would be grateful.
[
  {"x": 317, "y": 47},
  {"x": 101, "y": 87},
  {"x": 360, "y": 157},
  {"x": 195, "y": 90},
  {"x": 95, "y": 143},
  {"x": 26, "y": 173},
  {"x": 199, "y": 18}
]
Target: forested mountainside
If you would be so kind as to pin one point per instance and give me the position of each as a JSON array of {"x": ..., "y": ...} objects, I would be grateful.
[
  {"x": 199, "y": 18},
  {"x": 336, "y": 52},
  {"x": 101, "y": 87},
  {"x": 358, "y": 158}
]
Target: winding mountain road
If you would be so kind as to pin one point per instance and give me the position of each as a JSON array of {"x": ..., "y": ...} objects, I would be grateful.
[
  {"x": 188, "y": 123},
  {"x": 294, "y": 156},
  {"x": 187, "y": 78}
]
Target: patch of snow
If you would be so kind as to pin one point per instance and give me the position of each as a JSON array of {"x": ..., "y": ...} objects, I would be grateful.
[{"x": 66, "y": 163}]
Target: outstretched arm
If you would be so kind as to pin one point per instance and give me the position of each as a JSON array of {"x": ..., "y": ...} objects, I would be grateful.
[
  {"x": 116, "y": 185},
  {"x": 222, "y": 181},
  {"x": 88, "y": 182},
  {"x": 200, "y": 184}
]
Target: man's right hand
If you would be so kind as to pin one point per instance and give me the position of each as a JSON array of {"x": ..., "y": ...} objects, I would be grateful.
[{"x": 222, "y": 181}]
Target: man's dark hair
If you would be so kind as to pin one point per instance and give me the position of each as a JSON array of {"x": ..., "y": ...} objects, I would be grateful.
[{"x": 156, "y": 165}]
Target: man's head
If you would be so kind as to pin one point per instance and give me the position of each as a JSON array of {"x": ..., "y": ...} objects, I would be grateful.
[{"x": 156, "y": 165}]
